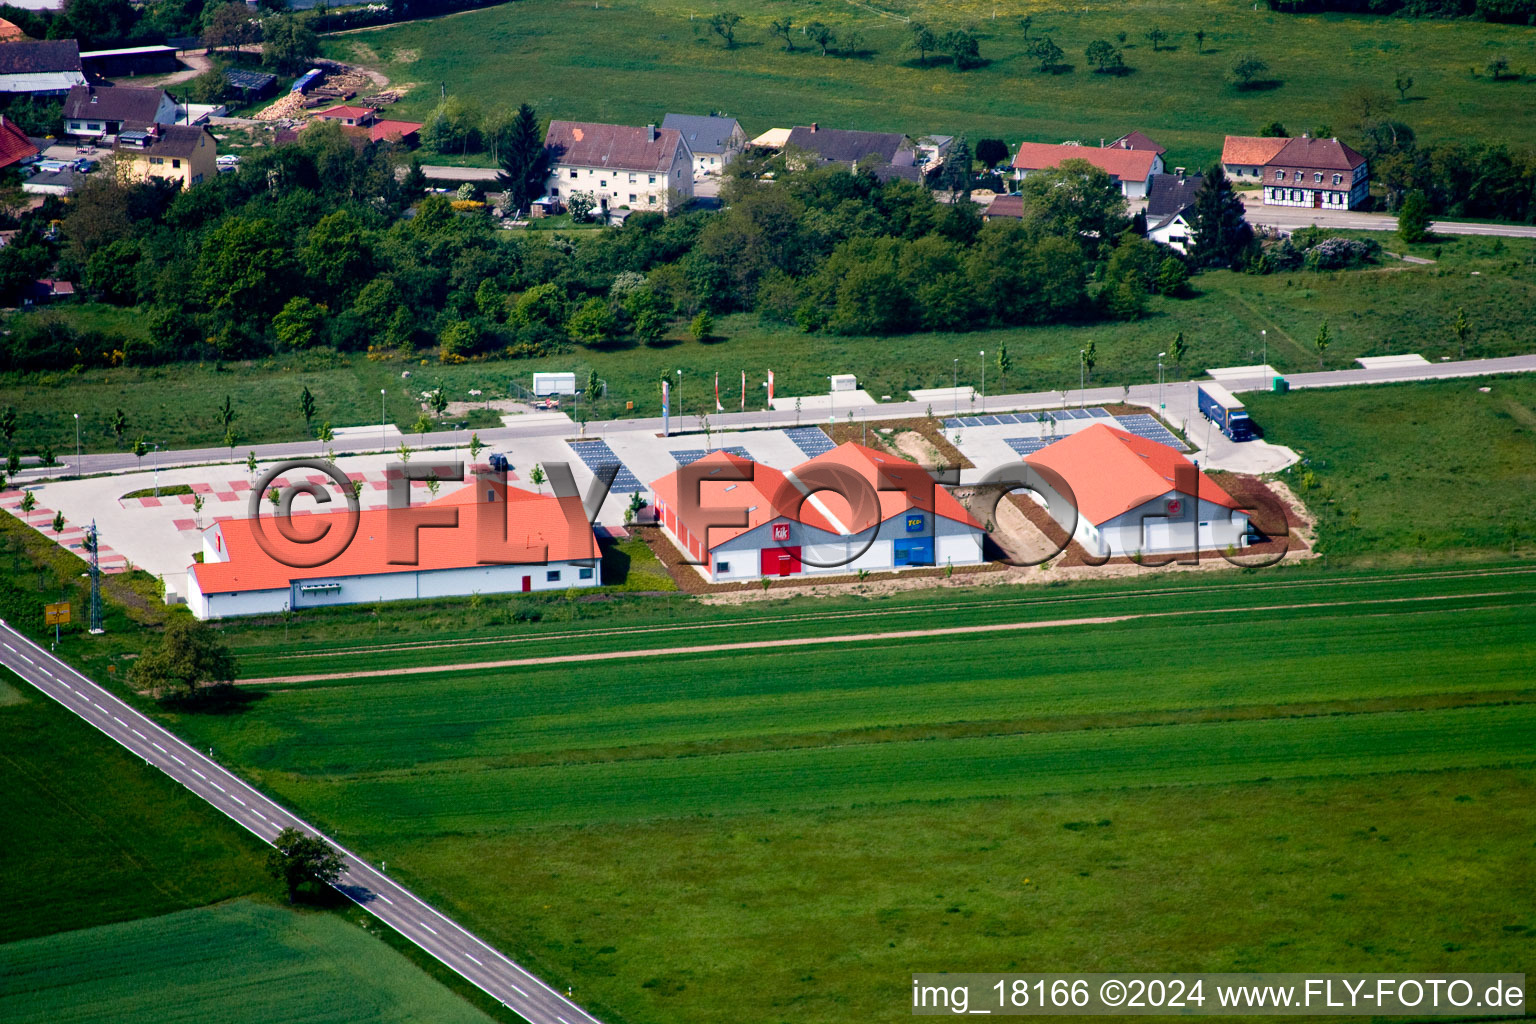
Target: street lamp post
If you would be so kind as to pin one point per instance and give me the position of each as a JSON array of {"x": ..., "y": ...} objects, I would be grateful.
[
  {"x": 1082, "y": 377},
  {"x": 983, "y": 355},
  {"x": 78, "y": 470},
  {"x": 955, "y": 390},
  {"x": 1162, "y": 408},
  {"x": 155, "y": 463},
  {"x": 832, "y": 397},
  {"x": 679, "y": 398},
  {"x": 383, "y": 433},
  {"x": 1264, "y": 340}
]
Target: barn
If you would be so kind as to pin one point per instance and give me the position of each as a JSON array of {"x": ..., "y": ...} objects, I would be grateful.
[
  {"x": 815, "y": 518},
  {"x": 1133, "y": 496},
  {"x": 547, "y": 544}
]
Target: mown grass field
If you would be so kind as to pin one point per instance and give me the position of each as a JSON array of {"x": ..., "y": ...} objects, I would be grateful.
[
  {"x": 1249, "y": 790},
  {"x": 237, "y": 962},
  {"x": 1389, "y": 309},
  {"x": 632, "y": 61},
  {"x": 1414, "y": 470}
]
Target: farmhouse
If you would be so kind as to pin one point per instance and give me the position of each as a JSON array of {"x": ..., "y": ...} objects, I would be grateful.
[
  {"x": 366, "y": 121},
  {"x": 48, "y": 68},
  {"x": 1139, "y": 140},
  {"x": 1135, "y": 496},
  {"x": 885, "y": 154},
  {"x": 504, "y": 540},
  {"x": 715, "y": 141},
  {"x": 183, "y": 153},
  {"x": 102, "y": 112},
  {"x": 814, "y": 519},
  {"x": 1131, "y": 169},
  {"x": 619, "y": 166},
  {"x": 1319, "y": 173},
  {"x": 1243, "y": 156},
  {"x": 1170, "y": 208}
]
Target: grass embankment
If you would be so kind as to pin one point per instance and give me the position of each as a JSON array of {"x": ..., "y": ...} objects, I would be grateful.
[
  {"x": 1413, "y": 471},
  {"x": 575, "y": 61},
  {"x": 1387, "y": 310},
  {"x": 821, "y": 820}
]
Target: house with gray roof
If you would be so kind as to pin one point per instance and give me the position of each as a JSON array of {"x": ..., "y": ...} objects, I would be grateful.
[
  {"x": 715, "y": 141},
  {"x": 105, "y": 111},
  {"x": 886, "y": 154},
  {"x": 1170, "y": 208},
  {"x": 47, "y": 68}
]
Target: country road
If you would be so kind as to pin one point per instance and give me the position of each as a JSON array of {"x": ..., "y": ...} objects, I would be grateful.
[
  {"x": 367, "y": 886},
  {"x": 1289, "y": 218}
]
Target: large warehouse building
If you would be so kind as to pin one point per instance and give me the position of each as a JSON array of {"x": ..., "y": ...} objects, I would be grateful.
[
  {"x": 1137, "y": 497},
  {"x": 798, "y": 522},
  {"x": 548, "y": 544}
]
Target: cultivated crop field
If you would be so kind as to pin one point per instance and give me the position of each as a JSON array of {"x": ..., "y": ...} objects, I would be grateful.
[
  {"x": 1389, "y": 309},
  {"x": 1225, "y": 781},
  {"x": 575, "y": 59}
]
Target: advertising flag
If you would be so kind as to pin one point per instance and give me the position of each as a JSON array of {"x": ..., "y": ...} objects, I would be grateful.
[
  {"x": 718, "y": 406},
  {"x": 666, "y": 394},
  {"x": 770, "y": 387},
  {"x": 743, "y": 390}
]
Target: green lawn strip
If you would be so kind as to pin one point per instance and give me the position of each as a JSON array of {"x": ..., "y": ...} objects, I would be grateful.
[
  {"x": 823, "y": 915},
  {"x": 1409, "y": 309},
  {"x": 236, "y": 962},
  {"x": 1229, "y": 594}
]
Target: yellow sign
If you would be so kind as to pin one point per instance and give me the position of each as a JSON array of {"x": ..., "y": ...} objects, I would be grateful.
[{"x": 56, "y": 614}]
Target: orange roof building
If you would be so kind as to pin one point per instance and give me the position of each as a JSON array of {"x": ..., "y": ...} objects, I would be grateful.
[
  {"x": 847, "y": 509},
  {"x": 1131, "y": 169},
  {"x": 1243, "y": 156},
  {"x": 483, "y": 538},
  {"x": 1121, "y": 495},
  {"x": 10, "y": 32},
  {"x": 14, "y": 144}
]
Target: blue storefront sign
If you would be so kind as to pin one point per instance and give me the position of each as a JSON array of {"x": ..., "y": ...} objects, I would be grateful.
[{"x": 915, "y": 523}]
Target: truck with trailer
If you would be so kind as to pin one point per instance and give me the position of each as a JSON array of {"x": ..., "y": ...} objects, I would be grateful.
[{"x": 1218, "y": 405}]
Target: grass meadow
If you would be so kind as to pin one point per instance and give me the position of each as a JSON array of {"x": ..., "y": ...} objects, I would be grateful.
[
  {"x": 1250, "y": 790},
  {"x": 1389, "y": 309},
  {"x": 633, "y": 61},
  {"x": 233, "y": 963}
]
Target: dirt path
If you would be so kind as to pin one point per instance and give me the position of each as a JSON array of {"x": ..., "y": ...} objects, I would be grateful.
[{"x": 845, "y": 638}]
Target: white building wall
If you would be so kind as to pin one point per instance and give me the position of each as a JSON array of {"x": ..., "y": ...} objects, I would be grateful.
[
  {"x": 1219, "y": 528},
  {"x": 1175, "y": 234}
]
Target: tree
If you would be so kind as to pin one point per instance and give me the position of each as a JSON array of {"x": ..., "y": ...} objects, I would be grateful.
[
  {"x": 404, "y": 451},
  {"x": 923, "y": 40},
  {"x": 536, "y": 477},
  {"x": 298, "y": 859},
  {"x": 784, "y": 28},
  {"x": 592, "y": 323},
  {"x": 1104, "y": 57},
  {"x": 1218, "y": 232},
  {"x": 58, "y": 522},
  {"x": 227, "y": 413},
  {"x": 1090, "y": 358},
  {"x": 1402, "y": 83},
  {"x": 1025, "y": 23},
  {"x": 231, "y": 441},
  {"x": 1497, "y": 67},
  {"x": 190, "y": 654},
  {"x": 1047, "y": 53},
  {"x": 963, "y": 48},
  {"x": 1274, "y": 130},
  {"x": 956, "y": 175},
  {"x": 325, "y": 435},
  {"x": 581, "y": 205},
  {"x": 1460, "y": 327},
  {"x": 1004, "y": 363},
  {"x": 28, "y": 502},
  {"x": 1413, "y": 218},
  {"x": 250, "y": 462},
  {"x": 198, "y": 501},
  {"x": 1321, "y": 342},
  {"x": 8, "y": 425},
  {"x": 1155, "y": 36},
  {"x": 274, "y": 498},
  {"x": 299, "y": 323},
  {"x": 724, "y": 25},
  {"x": 594, "y": 385},
  {"x": 288, "y": 43},
  {"x": 1199, "y": 40},
  {"x": 227, "y": 25},
  {"x": 1246, "y": 71},
  {"x": 703, "y": 326},
  {"x": 437, "y": 401},
  {"x": 307, "y": 406},
  {"x": 991, "y": 152},
  {"x": 476, "y": 446},
  {"x": 1172, "y": 276},
  {"x": 140, "y": 449},
  {"x": 1178, "y": 349},
  {"x": 821, "y": 35},
  {"x": 1077, "y": 202},
  {"x": 119, "y": 425}
]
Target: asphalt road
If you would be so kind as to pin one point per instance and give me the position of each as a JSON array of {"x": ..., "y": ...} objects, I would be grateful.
[
  {"x": 503, "y": 437},
  {"x": 1293, "y": 217},
  {"x": 360, "y": 881}
]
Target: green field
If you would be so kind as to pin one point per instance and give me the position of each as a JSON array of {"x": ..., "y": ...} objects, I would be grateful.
[
  {"x": 632, "y": 61},
  {"x": 1251, "y": 780},
  {"x": 237, "y": 962},
  {"x": 1387, "y": 310},
  {"x": 1407, "y": 470}
]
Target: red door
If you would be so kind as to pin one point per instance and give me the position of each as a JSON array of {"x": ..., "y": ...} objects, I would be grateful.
[
  {"x": 780, "y": 561},
  {"x": 1317, "y": 200},
  {"x": 527, "y": 584}
]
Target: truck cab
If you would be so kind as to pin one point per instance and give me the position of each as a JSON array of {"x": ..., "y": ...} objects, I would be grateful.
[{"x": 1241, "y": 426}]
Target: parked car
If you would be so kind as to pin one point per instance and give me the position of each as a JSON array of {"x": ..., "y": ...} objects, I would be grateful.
[{"x": 228, "y": 160}]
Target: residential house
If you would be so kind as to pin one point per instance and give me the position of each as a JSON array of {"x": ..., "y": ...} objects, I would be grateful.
[
  {"x": 1243, "y": 156},
  {"x": 773, "y": 138},
  {"x": 48, "y": 68},
  {"x": 885, "y": 154},
  {"x": 101, "y": 112},
  {"x": 366, "y": 120},
  {"x": 1004, "y": 208},
  {"x": 1130, "y": 169},
  {"x": 45, "y": 290},
  {"x": 1139, "y": 140},
  {"x": 1170, "y": 208},
  {"x": 183, "y": 153},
  {"x": 1319, "y": 173},
  {"x": 15, "y": 146},
  {"x": 715, "y": 141},
  {"x": 52, "y": 179},
  {"x": 620, "y": 166}
]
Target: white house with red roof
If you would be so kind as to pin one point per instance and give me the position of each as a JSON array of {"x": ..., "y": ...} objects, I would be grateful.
[
  {"x": 1318, "y": 173},
  {"x": 1133, "y": 496},
  {"x": 848, "y": 509},
  {"x": 1129, "y": 168},
  {"x": 484, "y": 538}
]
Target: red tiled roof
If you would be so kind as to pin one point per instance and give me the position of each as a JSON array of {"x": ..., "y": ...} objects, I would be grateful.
[
  {"x": 345, "y": 111},
  {"x": 1316, "y": 154},
  {"x": 1112, "y": 472},
  {"x": 1138, "y": 140},
  {"x": 584, "y": 144},
  {"x": 915, "y": 488},
  {"x": 1006, "y": 206},
  {"x": 385, "y": 131},
  {"x": 767, "y": 496},
  {"x": 1124, "y": 164},
  {"x": 539, "y": 528},
  {"x": 1250, "y": 150},
  {"x": 14, "y": 144},
  {"x": 10, "y": 31}
]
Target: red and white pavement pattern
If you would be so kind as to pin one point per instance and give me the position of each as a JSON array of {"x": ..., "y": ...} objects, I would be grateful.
[{"x": 72, "y": 537}]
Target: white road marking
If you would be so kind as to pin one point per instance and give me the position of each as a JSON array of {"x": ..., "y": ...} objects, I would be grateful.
[
  {"x": 237, "y": 800},
  {"x": 26, "y": 659},
  {"x": 218, "y": 787},
  {"x": 517, "y": 990},
  {"x": 119, "y": 721},
  {"x": 386, "y": 899},
  {"x": 158, "y": 747},
  {"x": 561, "y": 1019},
  {"x": 178, "y": 760},
  {"x": 199, "y": 774},
  {"x": 139, "y": 734},
  {"x": 10, "y": 648},
  {"x": 472, "y": 959},
  {"x": 427, "y": 927},
  {"x": 98, "y": 707}
]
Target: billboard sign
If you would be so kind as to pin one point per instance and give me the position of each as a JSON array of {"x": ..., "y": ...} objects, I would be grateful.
[{"x": 915, "y": 523}]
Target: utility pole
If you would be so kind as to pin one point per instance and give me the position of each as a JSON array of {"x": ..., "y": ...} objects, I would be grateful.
[
  {"x": 78, "y": 470},
  {"x": 1082, "y": 377},
  {"x": 983, "y": 354},
  {"x": 1160, "y": 406},
  {"x": 93, "y": 544}
]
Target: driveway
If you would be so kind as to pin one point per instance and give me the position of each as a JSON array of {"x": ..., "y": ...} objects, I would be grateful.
[{"x": 1289, "y": 218}]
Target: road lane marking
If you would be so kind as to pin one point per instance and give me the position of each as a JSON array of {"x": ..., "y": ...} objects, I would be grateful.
[
  {"x": 199, "y": 774},
  {"x": 98, "y": 707},
  {"x": 158, "y": 747},
  {"x": 178, "y": 760},
  {"x": 386, "y": 899},
  {"x": 561, "y": 1019},
  {"x": 26, "y": 659},
  {"x": 139, "y": 734},
  {"x": 469, "y": 957},
  {"x": 242, "y": 803},
  {"x": 11, "y": 649},
  {"x": 427, "y": 927},
  {"x": 519, "y": 991},
  {"x": 218, "y": 787},
  {"x": 119, "y": 721}
]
